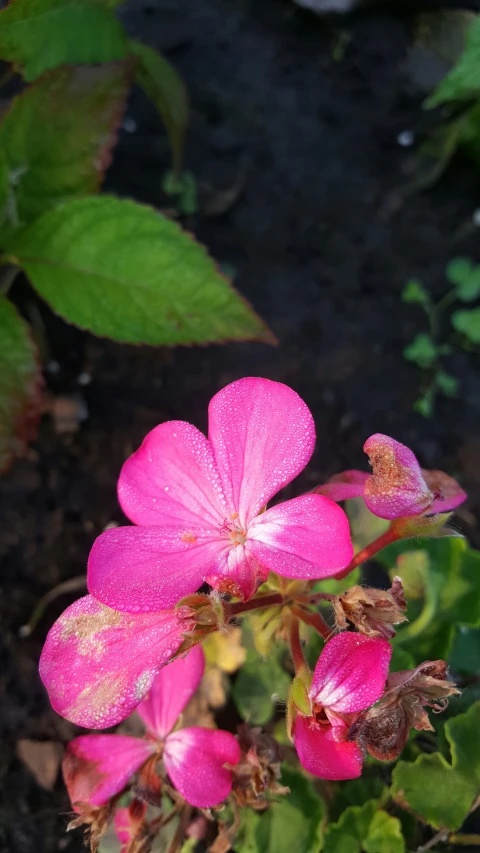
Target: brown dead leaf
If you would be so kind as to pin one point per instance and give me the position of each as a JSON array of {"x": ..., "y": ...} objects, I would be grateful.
[{"x": 42, "y": 758}]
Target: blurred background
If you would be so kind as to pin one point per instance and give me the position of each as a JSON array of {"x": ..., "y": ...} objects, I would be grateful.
[{"x": 302, "y": 148}]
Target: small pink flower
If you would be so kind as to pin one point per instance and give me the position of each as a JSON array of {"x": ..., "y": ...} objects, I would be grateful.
[
  {"x": 397, "y": 485},
  {"x": 97, "y": 663},
  {"x": 349, "y": 677},
  {"x": 197, "y": 760},
  {"x": 199, "y": 503}
]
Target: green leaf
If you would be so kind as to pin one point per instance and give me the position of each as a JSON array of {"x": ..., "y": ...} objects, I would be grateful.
[
  {"x": 350, "y": 831},
  {"x": 415, "y": 293},
  {"x": 442, "y": 793},
  {"x": 57, "y": 136},
  {"x": 422, "y": 350},
  {"x": 20, "y": 384},
  {"x": 465, "y": 652},
  {"x": 39, "y": 35},
  {"x": 166, "y": 89},
  {"x": 446, "y": 383},
  {"x": 124, "y": 271},
  {"x": 424, "y": 405},
  {"x": 259, "y": 686},
  {"x": 356, "y": 792},
  {"x": 466, "y": 277},
  {"x": 294, "y": 823},
  {"x": 463, "y": 81},
  {"x": 468, "y": 322},
  {"x": 384, "y": 835}
]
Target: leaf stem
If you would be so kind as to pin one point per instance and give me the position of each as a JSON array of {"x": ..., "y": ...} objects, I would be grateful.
[{"x": 315, "y": 620}]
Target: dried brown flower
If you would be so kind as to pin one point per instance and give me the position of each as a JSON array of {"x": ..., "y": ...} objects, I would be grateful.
[{"x": 372, "y": 611}]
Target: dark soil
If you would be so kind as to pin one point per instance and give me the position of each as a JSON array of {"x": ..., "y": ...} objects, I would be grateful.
[{"x": 312, "y": 249}]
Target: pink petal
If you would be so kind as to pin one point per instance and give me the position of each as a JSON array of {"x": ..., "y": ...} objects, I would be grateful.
[
  {"x": 307, "y": 537},
  {"x": 96, "y": 767},
  {"x": 97, "y": 664},
  {"x": 342, "y": 487},
  {"x": 351, "y": 673},
  {"x": 150, "y": 568},
  {"x": 321, "y": 755},
  {"x": 396, "y": 487},
  {"x": 448, "y": 494},
  {"x": 262, "y": 435},
  {"x": 238, "y": 572},
  {"x": 195, "y": 759},
  {"x": 172, "y": 479},
  {"x": 171, "y": 692}
]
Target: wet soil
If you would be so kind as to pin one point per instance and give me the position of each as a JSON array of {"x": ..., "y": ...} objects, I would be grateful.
[{"x": 313, "y": 129}]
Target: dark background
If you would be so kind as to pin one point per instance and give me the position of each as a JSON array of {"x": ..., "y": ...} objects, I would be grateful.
[{"x": 313, "y": 247}]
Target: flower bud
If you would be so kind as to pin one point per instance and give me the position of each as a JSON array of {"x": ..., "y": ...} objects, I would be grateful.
[
  {"x": 259, "y": 768},
  {"x": 372, "y": 611}
]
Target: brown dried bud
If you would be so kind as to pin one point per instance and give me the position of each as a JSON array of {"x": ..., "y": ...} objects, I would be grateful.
[
  {"x": 259, "y": 768},
  {"x": 383, "y": 730},
  {"x": 95, "y": 819},
  {"x": 372, "y": 611},
  {"x": 148, "y": 787}
]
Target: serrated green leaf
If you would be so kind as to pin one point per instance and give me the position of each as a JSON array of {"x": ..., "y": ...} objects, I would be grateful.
[
  {"x": 294, "y": 823},
  {"x": 39, "y": 35},
  {"x": 463, "y": 82},
  {"x": 384, "y": 835},
  {"x": 468, "y": 323},
  {"x": 124, "y": 271},
  {"x": 57, "y": 136},
  {"x": 422, "y": 350},
  {"x": 259, "y": 687},
  {"x": 442, "y": 793},
  {"x": 166, "y": 89},
  {"x": 415, "y": 293},
  {"x": 20, "y": 384}
]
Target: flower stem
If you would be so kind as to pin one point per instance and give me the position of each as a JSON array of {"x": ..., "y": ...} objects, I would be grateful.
[
  {"x": 240, "y": 607},
  {"x": 299, "y": 662},
  {"x": 390, "y": 535},
  {"x": 315, "y": 620}
]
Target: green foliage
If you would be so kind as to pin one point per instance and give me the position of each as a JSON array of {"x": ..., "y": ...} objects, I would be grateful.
[
  {"x": 364, "y": 828},
  {"x": 20, "y": 383},
  {"x": 38, "y": 35},
  {"x": 468, "y": 323},
  {"x": 426, "y": 349},
  {"x": 415, "y": 293},
  {"x": 58, "y": 135},
  {"x": 166, "y": 90},
  {"x": 421, "y": 351},
  {"x": 122, "y": 270},
  {"x": 260, "y": 686},
  {"x": 294, "y": 823},
  {"x": 463, "y": 82},
  {"x": 442, "y": 793}
]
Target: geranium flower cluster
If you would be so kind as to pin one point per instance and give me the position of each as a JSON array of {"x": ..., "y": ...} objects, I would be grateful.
[{"x": 199, "y": 508}]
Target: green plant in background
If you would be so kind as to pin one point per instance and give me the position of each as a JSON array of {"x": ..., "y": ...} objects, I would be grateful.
[
  {"x": 458, "y": 95},
  {"x": 113, "y": 267},
  {"x": 427, "y": 348}
]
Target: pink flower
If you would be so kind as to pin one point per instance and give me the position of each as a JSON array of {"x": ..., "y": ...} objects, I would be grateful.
[
  {"x": 349, "y": 677},
  {"x": 197, "y": 760},
  {"x": 397, "y": 486},
  {"x": 97, "y": 663},
  {"x": 199, "y": 503},
  {"x": 127, "y": 826}
]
